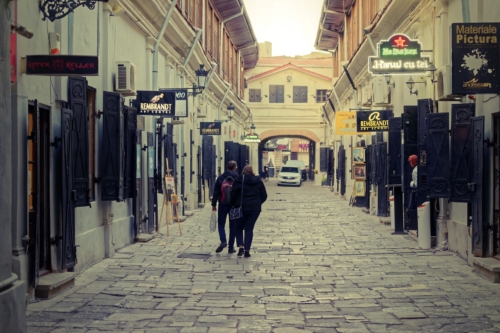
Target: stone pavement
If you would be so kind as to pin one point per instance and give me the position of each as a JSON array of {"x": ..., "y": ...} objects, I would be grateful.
[{"x": 317, "y": 265}]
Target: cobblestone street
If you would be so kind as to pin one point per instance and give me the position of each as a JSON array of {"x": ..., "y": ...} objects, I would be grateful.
[{"x": 317, "y": 265}]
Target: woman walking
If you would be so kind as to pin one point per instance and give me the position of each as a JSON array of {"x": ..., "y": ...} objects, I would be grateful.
[{"x": 250, "y": 200}]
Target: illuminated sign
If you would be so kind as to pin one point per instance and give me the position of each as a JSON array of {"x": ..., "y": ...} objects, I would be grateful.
[
  {"x": 373, "y": 121},
  {"x": 60, "y": 65},
  {"x": 210, "y": 128},
  {"x": 398, "y": 55},
  {"x": 475, "y": 58},
  {"x": 252, "y": 137}
]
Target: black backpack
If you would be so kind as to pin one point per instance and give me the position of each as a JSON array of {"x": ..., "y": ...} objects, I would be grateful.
[{"x": 225, "y": 190}]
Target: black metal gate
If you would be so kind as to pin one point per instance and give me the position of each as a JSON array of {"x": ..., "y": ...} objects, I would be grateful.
[
  {"x": 159, "y": 156},
  {"x": 138, "y": 184},
  {"x": 425, "y": 108},
  {"x": 80, "y": 142},
  {"x": 476, "y": 187},
  {"x": 208, "y": 162},
  {"x": 461, "y": 165},
  {"x": 129, "y": 144},
  {"x": 68, "y": 194},
  {"x": 151, "y": 185}
]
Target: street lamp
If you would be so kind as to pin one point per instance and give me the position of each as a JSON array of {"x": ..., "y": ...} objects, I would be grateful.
[
  {"x": 201, "y": 74},
  {"x": 411, "y": 84},
  {"x": 230, "y": 110}
]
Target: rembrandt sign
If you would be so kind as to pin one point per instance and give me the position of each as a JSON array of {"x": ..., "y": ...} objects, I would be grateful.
[
  {"x": 398, "y": 55},
  {"x": 210, "y": 128},
  {"x": 161, "y": 103},
  {"x": 373, "y": 121},
  {"x": 475, "y": 58}
]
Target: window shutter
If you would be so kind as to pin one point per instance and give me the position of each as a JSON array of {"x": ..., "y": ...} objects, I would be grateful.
[
  {"x": 280, "y": 94},
  {"x": 112, "y": 148},
  {"x": 303, "y": 92},
  {"x": 296, "y": 94},
  {"x": 258, "y": 96},
  {"x": 252, "y": 95},
  {"x": 80, "y": 139},
  {"x": 130, "y": 121},
  {"x": 272, "y": 94}
]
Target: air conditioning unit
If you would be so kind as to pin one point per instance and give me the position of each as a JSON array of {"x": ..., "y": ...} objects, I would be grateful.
[
  {"x": 380, "y": 91},
  {"x": 125, "y": 78},
  {"x": 444, "y": 84},
  {"x": 366, "y": 95}
]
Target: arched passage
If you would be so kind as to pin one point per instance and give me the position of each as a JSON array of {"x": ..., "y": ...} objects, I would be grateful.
[{"x": 290, "y": 133}]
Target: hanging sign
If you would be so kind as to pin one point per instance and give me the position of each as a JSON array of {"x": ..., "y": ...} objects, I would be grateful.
[
  {"x": 161, "y": 103},
  {"x": 475, "y": 54},
  {"x": 345, "y": 123},
  {"x": 252, "y": 137},
  {"x": 398, "y": 55},
  {"x": 210, "y": 128},
  {"x": 373, "y": 121},
  {"x": 60, "y": 65}
]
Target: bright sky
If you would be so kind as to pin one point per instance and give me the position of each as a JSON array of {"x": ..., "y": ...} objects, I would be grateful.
[{"x": 290, "y": 25}]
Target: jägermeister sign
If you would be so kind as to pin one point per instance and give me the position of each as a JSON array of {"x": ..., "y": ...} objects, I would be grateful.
[{"x": 398, "y": 55}]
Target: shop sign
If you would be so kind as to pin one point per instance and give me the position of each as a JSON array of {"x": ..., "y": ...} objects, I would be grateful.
[
  {"x": 345, "y": 123},
  {"x": 373, "y": 121},
  {"x": 252, "y": 137},
  {"x": 475, "y": 54},
  {"x": 398, "y": 55},
  {"x": 161, "y": 103},
  {"x": 60, "y": 65},
  {"x": 210, "y": 128}
]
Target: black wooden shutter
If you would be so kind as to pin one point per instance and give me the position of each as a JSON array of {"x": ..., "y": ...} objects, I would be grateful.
[
  {"x": 112, "y": 148},
  {"x": 68, "y": 194},
  {"x": 438, "y": 155},
  {"x": 200, "y": 186},
  {"x": 478, "y": 223},
  {"x": 395, "y": 151},
  {"x": 409, "y": 147},
  {"x": 323, "y": 159},
  {"x": 151, "y": 184},
  {"x": 191, "y": 143},
  {"x": 462, "y": 142},
  {"x": 130, "y": 120},
  {"x": 170, "y": 150},
  {"x": 280, "y": 94},
  {"x": 272, "y": 94},
  {"x": 374, "y": 166},
  {"x": 159, "y": 156},
  {"x": 37, "y": 167},
  {"x": 80, "y": 142},
  {"x": 424, "y": 109},
  {"x": 312, "y": 159},
  {"x": 383, "y": 198},
  {"x": 342, "y": 158}
]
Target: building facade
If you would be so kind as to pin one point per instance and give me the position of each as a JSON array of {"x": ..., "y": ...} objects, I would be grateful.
[
  {"x": 87, "y": 165},
  {"x": 286, "y": 96},
  {"x": 465, "y": 215}
]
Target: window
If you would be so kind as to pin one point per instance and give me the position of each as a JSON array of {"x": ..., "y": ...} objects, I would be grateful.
[
  {"x": 321, "y": 96},
  {"x": 254, "y": 95},
  {"x": 276, "y": 93},
  {"x": 300, "y": 94}
]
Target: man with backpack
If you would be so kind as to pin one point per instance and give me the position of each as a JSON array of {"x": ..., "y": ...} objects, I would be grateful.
[{"x": 222, "y": 191}]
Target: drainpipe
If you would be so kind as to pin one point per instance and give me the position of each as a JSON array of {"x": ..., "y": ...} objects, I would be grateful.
[
  {"x": 466, "y": 11},
  {"x": 207, "y": 82},
  {"x": 219, "y": 116},
  {"x": 157, "y": 43}
]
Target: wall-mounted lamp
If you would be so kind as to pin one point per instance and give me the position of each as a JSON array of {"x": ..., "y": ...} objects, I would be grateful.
[
  {"x": 430, "y": 72},
  {"x": 411, "y": 84},
  {"x": 388, "y": 79},
  {"x": 230, "y": 110},
  {"x": 21, "y": 30}
]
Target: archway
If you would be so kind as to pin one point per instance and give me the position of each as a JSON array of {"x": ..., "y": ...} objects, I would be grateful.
[{"x": 308, "y": 135}]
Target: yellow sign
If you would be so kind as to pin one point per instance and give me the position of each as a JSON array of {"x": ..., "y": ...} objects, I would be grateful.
[{"x": 345, "y": 123}]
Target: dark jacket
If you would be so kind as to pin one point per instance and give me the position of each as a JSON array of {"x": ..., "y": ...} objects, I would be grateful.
[
  {"x": 218, "y": 183},
  {"x": 254, "y": 193}
]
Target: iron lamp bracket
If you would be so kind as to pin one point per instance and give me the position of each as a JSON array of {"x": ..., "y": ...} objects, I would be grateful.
[{"x": 57, "y": 9}]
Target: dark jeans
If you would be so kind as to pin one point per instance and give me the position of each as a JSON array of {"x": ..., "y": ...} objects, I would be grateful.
[
  {"x": 247, "y": 223},
  {"x": 222, "y": 214}
]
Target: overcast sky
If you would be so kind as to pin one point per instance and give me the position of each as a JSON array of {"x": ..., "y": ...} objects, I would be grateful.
[{"x": 291, "y": 25}]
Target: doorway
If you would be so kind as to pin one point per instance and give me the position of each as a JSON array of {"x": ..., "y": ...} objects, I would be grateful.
[{"x": 38, "y": 189}]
